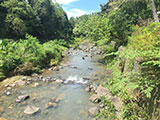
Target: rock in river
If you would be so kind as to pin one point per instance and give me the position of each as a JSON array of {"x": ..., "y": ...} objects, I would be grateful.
[
  {"x": 30, "y": 110},
  {"x": 59, "y": 81},
  {"x": 50, "y": 104},
  {"x": 21, "y": 83},
  {"x": 36, "y": 84},
  {"x": 22, "y": 98},
  {"x": 8, "y": 93},
  {"x": 93, "y": 111}
]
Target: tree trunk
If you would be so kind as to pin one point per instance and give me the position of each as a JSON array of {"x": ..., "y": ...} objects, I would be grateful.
[{"x": 155, "y": 16}]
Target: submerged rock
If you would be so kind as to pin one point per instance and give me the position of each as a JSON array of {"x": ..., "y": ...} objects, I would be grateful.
[
  {"x": 51, "y": 104},
  {"x": 55, "y": 100},
  {"x": 30, "y": 110},
  {"x": 93, "y": 111},
  {"x": 90, "y": 68},
  {"x": 75, "y": 67}
]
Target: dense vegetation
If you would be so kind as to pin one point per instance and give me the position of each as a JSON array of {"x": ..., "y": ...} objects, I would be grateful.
[
  {"x": 126, "y": 32},
  {"x": 41, "y": 18},
  {"x": 20, "y": 53},
  {"x": 28, "y": 55}
]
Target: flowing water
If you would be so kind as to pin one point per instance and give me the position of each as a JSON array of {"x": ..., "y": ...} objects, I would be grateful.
[{"x": 74, "y": 100}]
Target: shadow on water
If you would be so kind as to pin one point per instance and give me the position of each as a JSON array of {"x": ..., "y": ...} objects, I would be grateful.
[{"x": 74, "y": 100}]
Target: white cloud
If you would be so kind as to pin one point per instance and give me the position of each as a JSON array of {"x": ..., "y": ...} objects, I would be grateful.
[
  {"x": 76, "y": 12},
  {"x": 65, "y": 2}
]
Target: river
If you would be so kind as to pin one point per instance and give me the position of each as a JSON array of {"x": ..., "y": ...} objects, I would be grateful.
[{"x": 74, "y": 103}]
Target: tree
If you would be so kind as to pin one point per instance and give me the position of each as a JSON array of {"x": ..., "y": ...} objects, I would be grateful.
[{"x": 155, "y": 16}]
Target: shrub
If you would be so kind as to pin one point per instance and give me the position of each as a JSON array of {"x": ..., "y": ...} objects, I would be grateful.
[{"x": 28, "y": 55}]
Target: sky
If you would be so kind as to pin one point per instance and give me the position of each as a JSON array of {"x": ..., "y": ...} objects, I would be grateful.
[{"x": 76, "y": 8}]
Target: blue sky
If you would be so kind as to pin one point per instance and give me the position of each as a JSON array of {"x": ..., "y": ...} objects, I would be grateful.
[{"x": 75, "y": 8}]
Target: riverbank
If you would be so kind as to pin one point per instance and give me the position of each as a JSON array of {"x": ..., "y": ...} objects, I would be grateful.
[{"x": 56, "y": 90}]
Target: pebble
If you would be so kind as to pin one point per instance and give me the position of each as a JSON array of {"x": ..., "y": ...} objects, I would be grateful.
[
  {"x": 7, "y": 85},
  {"x": 36, "y": 84},
  {"x": 9, "y": 88},
  {"x": 50, "y": 104},
  {"x": 8, "y": 93}
]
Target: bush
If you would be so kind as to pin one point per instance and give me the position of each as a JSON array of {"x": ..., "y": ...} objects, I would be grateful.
[
  {"x": 28, "y": 55},
  {"x": 138, "y": 87}
]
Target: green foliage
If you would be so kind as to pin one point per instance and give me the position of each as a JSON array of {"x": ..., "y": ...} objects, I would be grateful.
[
  {"x": 41, "y": 18},
  {"x": 138, "y": 85},
  {"x": 28, "y": 55},
  {"x": 109, "y": 113},
  {"x": 116, "y": 25}
]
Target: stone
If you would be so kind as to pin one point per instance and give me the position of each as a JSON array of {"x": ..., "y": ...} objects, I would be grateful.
[
  {"x": 22, "y": 98},
  {"x": 21, "y": 83},
  {"x": 50, "y": 104},
  {"x": 44, "y": 79},
  {"x": 101, "y": 91},
  {"x": 28, "y": 82},
  {"x": 34, "y": 75},
  {"x": 7, "y": 85},
  {"x": 36, "y": 84},
  {"x": 8, "y": 93},
  {"x": 9, "y": 88},
  {"x": 30, "y": 110},
  {"x": 13, "y": 85},
  {"x": 57, "y": 100},
  {"x": 102, "y": 105},
  {"x": 86, "y": 55},
  {"x": 93, "y": 111},
  {"x": 86, "y": 78},
  {"x": 55, "y": 69},
  {"x": 95, "y": 98},
  {"x": 59, "y": 81},
  {"x": 87, "y": 89},
  {"x": 29, "y": 79},
  {"x": 75, "y": 67},
  {"x": 90, "y": 68},
  {"x": 117, "y": 103},
  {"x": 24, "y": 78},
  {"x": 60, "y": 67}
]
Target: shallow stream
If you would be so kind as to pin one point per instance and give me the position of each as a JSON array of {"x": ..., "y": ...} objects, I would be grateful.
[{"x": 74, "y": 100}]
